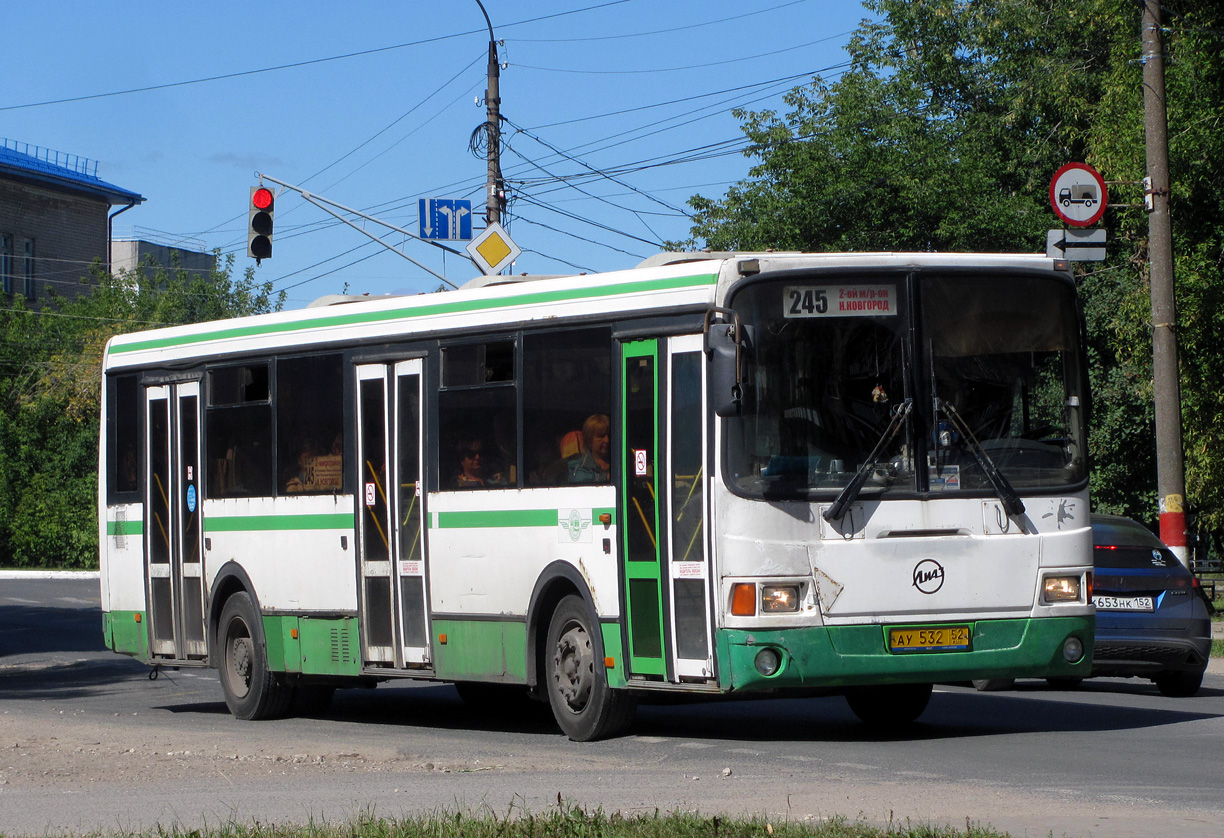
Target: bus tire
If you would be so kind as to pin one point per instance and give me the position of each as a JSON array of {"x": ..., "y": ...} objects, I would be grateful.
[
  {"x": 583, "y": 704},
  {"x": 891, "y": 706},
  {"x": 251, "y": 690}
]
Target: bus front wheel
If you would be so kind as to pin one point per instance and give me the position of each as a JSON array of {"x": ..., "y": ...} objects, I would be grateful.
[
  {"x": 251, "y": 690},
  {"x": 889, "y": 707},
  {"x": 585, "y": 707}
]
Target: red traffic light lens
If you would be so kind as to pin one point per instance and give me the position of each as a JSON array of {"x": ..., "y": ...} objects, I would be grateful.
[{"x": 262, "y": 198}]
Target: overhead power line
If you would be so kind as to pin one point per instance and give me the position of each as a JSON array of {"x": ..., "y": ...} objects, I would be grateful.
[{"x": 296, "y": 64}]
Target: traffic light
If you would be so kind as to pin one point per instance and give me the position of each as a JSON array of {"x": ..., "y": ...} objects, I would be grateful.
[{"x": 259, "y": 227}]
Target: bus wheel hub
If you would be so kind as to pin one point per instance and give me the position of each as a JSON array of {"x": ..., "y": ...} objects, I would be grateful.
[{"x": 575, "y": 667}]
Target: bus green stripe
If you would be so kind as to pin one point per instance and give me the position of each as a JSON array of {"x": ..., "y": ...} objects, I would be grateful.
[
  {"x": 451, "y": 307},
  {"x": 278, "y": 523},
  {"x": 505, "y": 518},
  {"x": 125, "y": 528},
  {"x": 497, "y": 518}
]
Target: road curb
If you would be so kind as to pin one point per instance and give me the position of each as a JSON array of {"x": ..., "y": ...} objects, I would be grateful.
[{"x": 48, "y": 574}]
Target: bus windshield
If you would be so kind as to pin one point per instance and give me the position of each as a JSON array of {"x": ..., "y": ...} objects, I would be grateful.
[{"x": 989, "y": 364}]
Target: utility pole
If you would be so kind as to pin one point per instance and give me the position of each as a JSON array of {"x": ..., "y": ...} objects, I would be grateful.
[
  {"x": 1166, "y": 388},
  {"x": 496, "y": 194}
]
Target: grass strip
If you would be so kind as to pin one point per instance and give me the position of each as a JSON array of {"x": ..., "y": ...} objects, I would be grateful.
[{"x": 566, "y": 821}]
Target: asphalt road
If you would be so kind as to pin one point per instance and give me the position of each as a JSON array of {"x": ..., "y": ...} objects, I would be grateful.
[{"x": 89, "y": 742}]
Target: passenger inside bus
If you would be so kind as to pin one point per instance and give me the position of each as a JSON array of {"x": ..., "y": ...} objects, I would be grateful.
[
  {"x": 473, "y": 473},
  {"x": 592, "y": 464}
]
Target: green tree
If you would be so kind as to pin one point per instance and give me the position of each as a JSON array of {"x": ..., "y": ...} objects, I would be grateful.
[
  {"x": 50, "y": 396},
  {"x": 944, "y": 134}
]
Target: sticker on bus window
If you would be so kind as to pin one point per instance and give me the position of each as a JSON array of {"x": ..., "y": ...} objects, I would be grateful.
[
  {"x": 412, "y": 567},
  {"x": 944, "y": 478},
  {"x": 641, "y": 466},
  {"x": 370, "y": 496},
  {"x": 839, "y": 301}
]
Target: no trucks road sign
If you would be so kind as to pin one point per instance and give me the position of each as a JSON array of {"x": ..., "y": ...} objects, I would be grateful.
[{"x": 1078, "y": 194}]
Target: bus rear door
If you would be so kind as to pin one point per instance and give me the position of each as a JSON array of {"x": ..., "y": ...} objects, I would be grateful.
[{"x": 172, "y": 528}]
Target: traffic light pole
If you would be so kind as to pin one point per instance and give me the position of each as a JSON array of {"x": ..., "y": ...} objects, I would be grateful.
[{"x": 1166, "y": 388}]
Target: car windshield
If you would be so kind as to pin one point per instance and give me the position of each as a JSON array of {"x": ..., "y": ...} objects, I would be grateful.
[{"x": 988, "y": 364}]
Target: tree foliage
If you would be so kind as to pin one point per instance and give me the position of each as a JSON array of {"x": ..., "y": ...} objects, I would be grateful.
[
  {"x": 943, "y": 136},
  {"x": 50, "y": 392}
]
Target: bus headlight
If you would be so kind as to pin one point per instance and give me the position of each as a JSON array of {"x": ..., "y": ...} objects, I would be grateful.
[
  {"x": 778, "y": 598},
  {"x": 1061, "y": 589}
]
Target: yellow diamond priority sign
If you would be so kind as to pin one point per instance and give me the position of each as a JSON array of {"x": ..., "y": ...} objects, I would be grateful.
[{"x": 493, "y": 250}]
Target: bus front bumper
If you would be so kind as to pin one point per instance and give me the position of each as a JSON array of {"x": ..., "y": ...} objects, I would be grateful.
[{"x": 844, "y": 656}]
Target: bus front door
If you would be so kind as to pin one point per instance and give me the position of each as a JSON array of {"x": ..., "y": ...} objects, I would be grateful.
[
  {"x": 392, "y": 556},
  {"x": 665, "y": 560},
  {"x": 174, "y": 575}
]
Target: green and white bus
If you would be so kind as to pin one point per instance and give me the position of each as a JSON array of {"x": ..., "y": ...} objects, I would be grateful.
[{"x": 712, "y": 474}]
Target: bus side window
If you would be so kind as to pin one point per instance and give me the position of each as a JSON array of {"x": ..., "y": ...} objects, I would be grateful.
[
  {"x": 238, "y": 431},
  {"x": 567, "y": 380},
  {"x": 123, "y": 409},
  {"x": 478, "y": 410},
  {"x": 309, "y": 424}
]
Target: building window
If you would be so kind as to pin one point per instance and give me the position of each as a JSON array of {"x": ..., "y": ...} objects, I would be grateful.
[
  {"x": 6, "y": 263},
  {"x": 27, "y": 269}
]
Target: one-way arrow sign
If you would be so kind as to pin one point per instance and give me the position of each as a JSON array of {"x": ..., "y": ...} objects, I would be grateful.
[{"x": 1076, "y": 245}]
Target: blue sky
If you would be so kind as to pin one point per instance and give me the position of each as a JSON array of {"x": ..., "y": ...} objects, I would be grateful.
[{"x": 618, "y": 92}]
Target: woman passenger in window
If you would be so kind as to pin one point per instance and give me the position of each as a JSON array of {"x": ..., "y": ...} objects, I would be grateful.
[
  {"x": 472, "y": 467},
  {"x": 592, "y": 465}
]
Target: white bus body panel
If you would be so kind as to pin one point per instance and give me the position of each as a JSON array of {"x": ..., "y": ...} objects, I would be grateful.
[
  {"x": 121, "y": 559},
  {"x": 487, "y": 570},
  {"x": 866, "y": 574},
  {"x": 291, "y": 569}
]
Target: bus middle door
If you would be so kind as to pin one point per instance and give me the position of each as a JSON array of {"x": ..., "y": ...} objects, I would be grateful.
[{"x": 392, "y": 554}]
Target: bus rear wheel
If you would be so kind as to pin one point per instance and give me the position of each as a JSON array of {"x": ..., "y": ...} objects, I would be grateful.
[
  {"x": 583, "y": 704},
  {"x": 251, "y": 690},
  {"x": 889, "y": 707}
]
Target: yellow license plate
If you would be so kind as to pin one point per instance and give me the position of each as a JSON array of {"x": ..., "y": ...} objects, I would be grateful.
[{"x": 929, "y": 639}]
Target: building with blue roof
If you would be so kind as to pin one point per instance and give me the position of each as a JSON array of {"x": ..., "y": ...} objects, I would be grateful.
[{"x": 55, "y": 220}]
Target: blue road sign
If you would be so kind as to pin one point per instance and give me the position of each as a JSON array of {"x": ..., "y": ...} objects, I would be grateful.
[{"x": 445, "y": 218}]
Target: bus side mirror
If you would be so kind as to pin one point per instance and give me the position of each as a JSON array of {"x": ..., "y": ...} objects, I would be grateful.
[{"x": 724, "y": 344}]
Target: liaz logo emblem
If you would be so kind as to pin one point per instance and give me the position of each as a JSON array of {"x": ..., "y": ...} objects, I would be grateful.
[
  {"x": 575, "y": 524},
  {"x": 928, "y": 576}
]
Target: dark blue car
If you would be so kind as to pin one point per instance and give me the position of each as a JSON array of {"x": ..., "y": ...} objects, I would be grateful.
[{"x": 1153, "y": 620}]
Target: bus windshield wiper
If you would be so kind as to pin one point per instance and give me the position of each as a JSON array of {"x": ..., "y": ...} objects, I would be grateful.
[
  {"x": 1011, "y": 501},
  {"x": 850, "y": 492}
]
